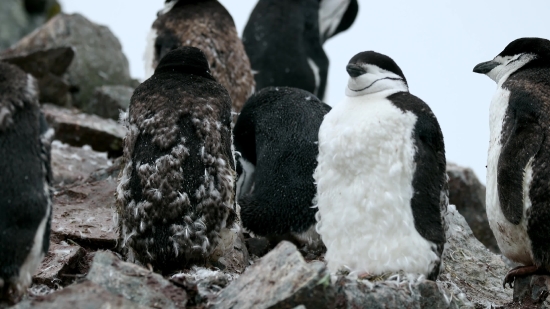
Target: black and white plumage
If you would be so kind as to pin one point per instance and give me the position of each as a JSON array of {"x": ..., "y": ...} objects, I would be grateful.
[
  {"x": 276, "y": 135},
  {"x": 381, "y": 180},
  {"x": 336, "y": 16},
  {"x": 25, "y": 177},
  {"x": 177, "y": 189},
  {"x": 518, "y": 169},
  {"x": 204, "y": 24},
  {"x": 283, "y": 42}
]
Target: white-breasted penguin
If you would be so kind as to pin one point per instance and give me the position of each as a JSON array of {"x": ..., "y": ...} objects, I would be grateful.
[
  {"x": 336, "y": 16},
  {"x": 381, "y": 180},
  {"x": 276, "y": 135},
  {"x": 518, "y": 168},
  {"x": 282, "y": 40},
  {"x": 25, "y": 178},
  {"x": 206, "y": 25},
  {"x": 177, "y": 188}
]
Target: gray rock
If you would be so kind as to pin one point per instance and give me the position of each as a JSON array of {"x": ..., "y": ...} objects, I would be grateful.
[
  {"x": 14, "y": 22},
  {"x": 48, "y": 67},
  {"x": 108, "y": 101},
  {"x": 79, "y": 129},
  {"x": 73, "y": 164},
  {"x": 85, "y": 214},
  {"x": 59, "y": 265},
  {"x": 135, "y": 283},
  {"x": 98, "y": 54},
  {"x": 281, "y": 279},
  {"x": 467, "y": 193},
  {"x": 85, "y": 295},
  {"x": 471, "y": 275}
]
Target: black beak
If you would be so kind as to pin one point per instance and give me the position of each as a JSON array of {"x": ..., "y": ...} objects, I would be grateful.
[
  {"x": 485, "y": 67},
  {"x": 355, "y": 70}
]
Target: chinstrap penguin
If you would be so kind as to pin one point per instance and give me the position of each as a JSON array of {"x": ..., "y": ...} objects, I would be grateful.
[
  {"x": 336, "y": 16},
  {"x": 381, "y": 180},
  {"x": 25, "y": 178},
  {"x": 276, "y": 135},
  {"x": 518, "y": 168},
  {"x": 177, "y": 188},
  {"x": 282, "y": 40},
  {"x": 207, "y": 25}
]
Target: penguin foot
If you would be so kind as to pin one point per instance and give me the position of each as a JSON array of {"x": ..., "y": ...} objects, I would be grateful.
[{"x": 519, "y": 271}]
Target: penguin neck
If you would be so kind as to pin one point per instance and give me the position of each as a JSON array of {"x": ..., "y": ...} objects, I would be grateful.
[{"x": 378, "y": 87}]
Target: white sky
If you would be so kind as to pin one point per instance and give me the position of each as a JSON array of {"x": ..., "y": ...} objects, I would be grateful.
[{"x": 436, "y": 44}]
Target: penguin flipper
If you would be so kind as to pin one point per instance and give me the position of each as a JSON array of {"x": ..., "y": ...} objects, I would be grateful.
[{"x": 522, "y": 145}]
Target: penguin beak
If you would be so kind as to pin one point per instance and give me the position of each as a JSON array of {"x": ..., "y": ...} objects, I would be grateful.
[
  {"x": 355, "y": 70},
  {"x": 486, "y": 67}
]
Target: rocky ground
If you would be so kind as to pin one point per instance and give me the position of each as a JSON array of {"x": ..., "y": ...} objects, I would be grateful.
[{"x": 83, "y": 269}]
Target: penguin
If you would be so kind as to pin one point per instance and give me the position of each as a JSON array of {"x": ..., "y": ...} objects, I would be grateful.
[
  {"x": 276, "y": 138},
  {"x": 336, "y": 16},
  {"x": 207, "y": 25},
  {"x": 518, "y": 204},
  {"x": 25, "y": 178},
  {"x": 381, "y": 180},
  {"x": 282, "y": 40},
  {"x": 177, "y": 187}
]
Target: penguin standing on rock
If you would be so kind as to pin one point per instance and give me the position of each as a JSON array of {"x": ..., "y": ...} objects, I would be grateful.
[
  {"x": 518, "y": 164},
  {"x": 381, "y": 180},
  {"x": 207, "y": 25},
  {"x": 276, "y": 135},
  {"x": 282, "y": 40},
  {"x": 177, "y": 188},
  {"x": 25, "y": 177}
]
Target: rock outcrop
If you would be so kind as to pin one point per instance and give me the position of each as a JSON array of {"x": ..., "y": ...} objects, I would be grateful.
[{"x": 108, "y": 101}]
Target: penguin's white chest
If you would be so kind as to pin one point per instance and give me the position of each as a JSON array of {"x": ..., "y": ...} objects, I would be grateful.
[
  {"x": 512, "y": 239},
  {"x": 364, "y": 184}
]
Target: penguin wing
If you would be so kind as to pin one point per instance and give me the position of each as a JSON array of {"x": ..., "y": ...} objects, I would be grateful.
[{"x": 524, "y": 139}]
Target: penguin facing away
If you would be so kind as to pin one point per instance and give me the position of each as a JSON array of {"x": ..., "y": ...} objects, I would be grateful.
[
  {"x": 282, "y": 40},
  {"x": 25, "y": 178},
  {"x": 518, "y": 173},
  {"x": 381, "y": 180},
  {"x": 207, "y": 25},
  {"x": 276, "y": 135},
  {"x": 177, "y": 189},
  {"x": 336, "y": 16}
]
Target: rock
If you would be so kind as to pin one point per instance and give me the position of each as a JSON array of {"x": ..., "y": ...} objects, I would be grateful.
[
  {"x": 468, "y": 195},
  {"x": 281, "y": 279},
  {"x": 73, "y": 164},
  {"x": 85, "y": 295},
  {"x": 471, "y": 274},
  {"x": 79, "y": 129},
  {"x": 530, "y": 292},
  {"x": 104, "y": 173},
  {"x": 59, "y": 265},
  {"x": 388, "y": 294},
  {"x": 98, "y": 54},
  {"x": 48, "y": 67},
  {"x": 108, "y": 101},
  {"x": 202, "y": 284},
  {"x": 135, "y": 283},
  {"x": 230, "y": 254},
  {"x": 86, "y": 214},
  {"x": 14, "y": 22}
]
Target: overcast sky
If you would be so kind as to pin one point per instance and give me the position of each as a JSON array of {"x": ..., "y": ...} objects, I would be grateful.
[{"x": 436, "y": 44}]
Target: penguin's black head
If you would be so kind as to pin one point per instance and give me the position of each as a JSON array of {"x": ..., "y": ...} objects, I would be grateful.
[
  {"x": 516, "y": 55},
  {"x": 372, "y": 72},
  {"x": 186, "y": 59}
]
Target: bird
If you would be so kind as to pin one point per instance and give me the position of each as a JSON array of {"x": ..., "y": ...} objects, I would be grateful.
[
  {"x": 283, "y": 42},
  {"x": 336, "y": 16},
  {"x": 176, "y": 190},
  {"x": 25, "y": 175},
  {"x": 381, "y": 181},
  {"x": 518, "y": 205},
  {"x": 276, "y": 139},
  {"x": 207, "y": 25}
]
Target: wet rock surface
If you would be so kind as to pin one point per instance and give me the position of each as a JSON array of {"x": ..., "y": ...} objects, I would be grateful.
[
  {"x": 98, "y": 57},
  {"x": 467, "y": 193},
  {"x": 108, "y": 101},
  {"x": 78, "y": 129}
]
